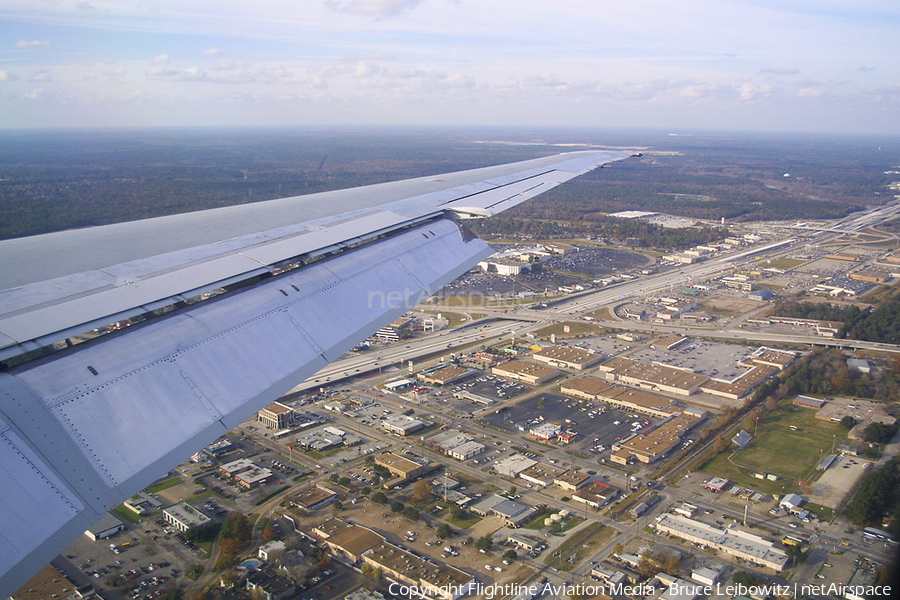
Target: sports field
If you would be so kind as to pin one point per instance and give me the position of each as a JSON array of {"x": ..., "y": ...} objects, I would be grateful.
[{"x": 777, "y": 448}]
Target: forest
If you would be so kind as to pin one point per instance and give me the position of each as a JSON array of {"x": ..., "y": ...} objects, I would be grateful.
[
  {"x": 59, "y": 179},
  {"x": 878, "y": 494},
  {"x": 825, "y": 373},
  {"x": 880, "y": 324},
  {"x": 651, "y": 235}
]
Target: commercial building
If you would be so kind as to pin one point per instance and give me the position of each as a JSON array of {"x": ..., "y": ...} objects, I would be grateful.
[
  {"x": 735, "y": 542},
  {"x": 435, "y": 579},
  {"x": 525, "y": 542},
  {"x": 822, "y": 328},
  {"x": 49, "y": 583},
  {"x": 276, "y": 416},
  {"x": 653, "y": 377},
  {"x": 717, "y": 484},
  {"x": 611, "y": 577},
  {"x": 107, "y": 526},
  {"x": 572, "y": 480},
  {"x": 527, "y": 372},
  {"x": 346, "y": 542},
  {"x": 505, "y": 266},
  {"x": 567, "y": 358},
  {"x": 404, "y": 425},
  {"x": 596, "y": 494},
  {"x": 272, "y": 585},
  {"x": 444, "y": 375},
  {"x": 269, "y": 549},
  {"x": 401, "y": 467},
  {"x": 740, "y": 386},
  {"x": 769, "y": 357},
  {"x": 598, "y": 390},
  {"x": 466, "y": 450},
  {"x": 184, "y": 516},
  {"x": 871, "y": 276},
  {"x": 792, "y": 503},
  {"x": 219, "y": 447},
  {"x": 545, "y": 431},
  {"x": 843, "y": 286},
  {"x": 540, "y": 474},
  {"x": 457, "y": 445},
  {"x": 649, "y": 446},
  {"x": 397, "y": 330},
  {"x": 513, "y": 513},
  {"x": 808, "y": 402},
  {"x": 864, "y": 413},
  {"x": 513, "y": 465},
  {"x": 315, "y": 497},
  {"x": 247, "y": 474},
  {"x": 708, "y": 575}
]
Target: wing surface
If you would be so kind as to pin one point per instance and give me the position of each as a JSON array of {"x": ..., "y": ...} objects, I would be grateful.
[{"x": 83, "y": 429}]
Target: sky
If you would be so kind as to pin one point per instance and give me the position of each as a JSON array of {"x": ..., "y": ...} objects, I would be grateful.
[{"x": 785, "y": 65}]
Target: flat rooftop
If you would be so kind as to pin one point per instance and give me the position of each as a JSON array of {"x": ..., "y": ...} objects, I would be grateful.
[
  {"x": 654, "y": 374},
  {"x": 730, "y": 540},
  {"x": 566, "y": 354}
]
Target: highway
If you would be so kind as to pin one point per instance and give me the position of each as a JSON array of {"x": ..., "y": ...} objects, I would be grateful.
[{"x": 517, "y": 321}]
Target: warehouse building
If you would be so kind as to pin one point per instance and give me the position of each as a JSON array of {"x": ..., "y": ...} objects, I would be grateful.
[
  {"x": 345, "y": 541},
  {"x": 567, "y": 358},
  {"x": 653, "y": 377},
  {"x": 572, "y": 481},
  {"x": 107, "y": 526},
  {"x": 435, "y": 579},
  {"x": 596, "y": 494},
  {"x": 444, "y": 375},
  {"x": 541, "y": 475},
  {"x": 752, "y": 548},
  {"x": 598, "y": 390},
  {"x": 401, "y": 467},
  {"x": 527, "y": 372}
]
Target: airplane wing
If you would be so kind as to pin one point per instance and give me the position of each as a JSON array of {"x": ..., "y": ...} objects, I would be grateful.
[{"x": 206, "y": 318}]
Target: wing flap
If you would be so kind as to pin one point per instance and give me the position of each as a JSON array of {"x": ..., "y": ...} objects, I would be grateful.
[{"x": 184, "y": 380}]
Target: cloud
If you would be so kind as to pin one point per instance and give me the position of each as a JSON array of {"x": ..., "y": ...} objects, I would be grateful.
[
  {"x": 161, "y": 59},
  {"x": 373, "y": 8},
  {"x": 7, "y": 76},
  {"x": 86, "y": 6},
  {"x": 751, "y": 91},
  {"x": 864, "y": 69},
  {"x": 780, "y": 71},
  {"x": 36, "y": 94},
  {"x": 352, "y": 58},
  {"x": 32, "y": 44},
  {"x": 213, "y": 52},
  {"x": 813, "y": 91},
  {"x": 186, "y": 74},
  {"x": 366, "y": 68}
]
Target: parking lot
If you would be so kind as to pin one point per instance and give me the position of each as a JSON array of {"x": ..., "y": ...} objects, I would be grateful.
[
  {"x": 147, "y": 560},
  {"x": 595, "y": 427},
  {"x": 710, "y": 358}
]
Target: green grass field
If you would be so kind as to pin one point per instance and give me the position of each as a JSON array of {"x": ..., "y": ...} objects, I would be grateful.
[
  {"x": 783, "y": 263},
  {"x": 791, "y": 454},
  {"x": 164, "y": 485}
]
